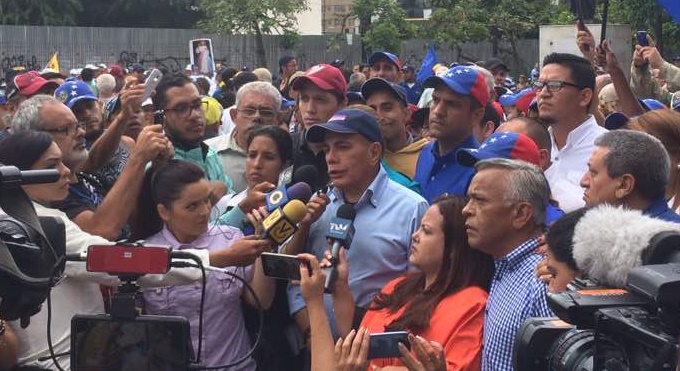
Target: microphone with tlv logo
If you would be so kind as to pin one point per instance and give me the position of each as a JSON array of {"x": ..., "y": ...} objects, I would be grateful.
[{"x": 340, "y": 232}]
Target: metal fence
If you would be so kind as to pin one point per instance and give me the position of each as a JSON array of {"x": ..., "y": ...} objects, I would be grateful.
[{"x": 32, "y": 46}]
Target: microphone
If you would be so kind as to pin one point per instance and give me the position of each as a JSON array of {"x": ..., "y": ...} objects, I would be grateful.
[
  {"x": 609, "y": 241},
  {"x": 281, "y": 224},
  {"x": 305, "y": 173},
  {"x": 282, "y": 194},
  {"x": 11, "y": 176},
  {"x": 340, "y": 232}
]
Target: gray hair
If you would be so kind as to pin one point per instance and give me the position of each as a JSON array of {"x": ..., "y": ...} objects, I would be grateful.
[
  {"x": 260, "y": 87},
  {"x": 263, "y": 74},
  {"x": 639, "y": 154},
  {"x": 27, "y": 116},
  {"x": 106, "y": 83},
  {"x": 525, "y": 183}
]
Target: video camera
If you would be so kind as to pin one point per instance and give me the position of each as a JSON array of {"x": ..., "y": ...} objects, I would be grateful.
[
  {"x": 32, "y": 248},
  {"x": 601, "y": 328}
]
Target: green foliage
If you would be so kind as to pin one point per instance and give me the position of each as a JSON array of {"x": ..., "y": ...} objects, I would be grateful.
[
  {"x": 39, "y": 12},
  {"x": 382, "y": 24},
  {"x": 251, "y": 16}
]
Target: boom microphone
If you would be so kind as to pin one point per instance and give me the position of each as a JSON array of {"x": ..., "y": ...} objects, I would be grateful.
[
  {"x": 609, "y": 241},
  {"x": 340, "y": 232},
  {"x": 281, "y": 224}
]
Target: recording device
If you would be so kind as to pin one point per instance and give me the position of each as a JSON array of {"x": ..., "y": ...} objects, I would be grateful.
[
  {"x": 611, "y": 328},
  {"x": 280, "y": 196},
  {"x": 605, "y": 15},
  {"x": 151, "y": 83},
  {"x": 32, "y": 248},
  {"x": 641, "y": 37},
  {"x": 282, "y": 266},
  {"x": 281, "y": 224},
  {"x": 580, "y": 25},
  {"x": 125, "y": 259},
  {"x": 386, "y": 344},
  {"x": 149, "y": 343},
  {"x": 125, "y": 339},
  {"x": 340, "y": 233}
]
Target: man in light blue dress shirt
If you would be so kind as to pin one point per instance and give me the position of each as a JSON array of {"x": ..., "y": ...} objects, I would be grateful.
[{"x": 387, "y": 213}]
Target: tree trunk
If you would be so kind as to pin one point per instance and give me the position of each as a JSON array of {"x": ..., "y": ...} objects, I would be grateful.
[{"x": 259, "y": 47}]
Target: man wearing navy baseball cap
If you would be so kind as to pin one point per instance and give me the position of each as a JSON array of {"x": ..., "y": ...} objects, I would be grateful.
[
  {"x": 386, "y": 65},
  {"x": 389, "y": 100},
  {"x": 386, "y": 212},
  {"x": 458, "y": 102}
]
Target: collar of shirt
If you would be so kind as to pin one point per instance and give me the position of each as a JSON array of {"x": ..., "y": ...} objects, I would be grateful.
[
  {"x": 576, "y": 136},
  {"x": 199, "y": 153},
  {"x": 371, "y": 195},
  {"x": 469, "y": 142},
  {"x": 201, "y": 242},
  {"x": 226, "y": 142},
  {"x": 659, "y": 209},
  {"x": 515, "y": 257}
]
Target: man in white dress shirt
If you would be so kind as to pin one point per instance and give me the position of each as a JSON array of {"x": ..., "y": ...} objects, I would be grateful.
[{"x": 565, "y": 90}]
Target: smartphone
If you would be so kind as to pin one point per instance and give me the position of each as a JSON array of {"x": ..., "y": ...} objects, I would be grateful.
[
  {"x": 282, "y": 266},
  {"x": 642, "y": 38},
  {"x": 134, "y": 260},
  {"x": 386, "y": 344},
  {"x": 145, "y": 343},
  {"x": 150, "y": 84}
]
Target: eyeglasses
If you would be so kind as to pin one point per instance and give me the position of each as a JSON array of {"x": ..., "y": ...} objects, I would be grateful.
[
  {"x": 69, "y": 130},
  {"x": 251, "y": 112},
  {"x": 185, "y": 110},
  {"x": 553, "y": 85}
]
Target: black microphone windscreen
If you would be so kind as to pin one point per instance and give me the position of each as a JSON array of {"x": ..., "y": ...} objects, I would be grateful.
[
  {"x": 305, "y": 173},
  {"x": 346, "y": 211}
]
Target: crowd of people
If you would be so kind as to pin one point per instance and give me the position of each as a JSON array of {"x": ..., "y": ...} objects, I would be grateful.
[{"x": 471, "y": 195}]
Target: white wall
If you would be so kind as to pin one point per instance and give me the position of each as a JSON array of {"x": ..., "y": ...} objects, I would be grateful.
[
  {"x": 309, "y": 22},
  {"x": 562, "y": 39}
]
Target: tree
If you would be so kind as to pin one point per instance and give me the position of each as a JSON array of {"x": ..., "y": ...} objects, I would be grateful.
[
  {"x": 39, "y": 12},
  {"x": 382, "y": 25},
  {"x": 139, "y": 13},
  {"x": 258, "y": 17}
]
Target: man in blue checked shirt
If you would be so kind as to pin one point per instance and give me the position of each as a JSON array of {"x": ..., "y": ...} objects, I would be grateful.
[{"x": 503, "y": 218}]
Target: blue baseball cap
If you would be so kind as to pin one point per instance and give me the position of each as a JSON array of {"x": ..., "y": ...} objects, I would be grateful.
[
  {"x": 675, "y": 102},
  {"x": 72, "y": 92},
  {"x": 615, "y": 120},
  {"x": 347, "y": 121},
  {"x": 384, "y": 55},
  {"x": 651, "y": 104},
  {"x": 463, "y": 80},
  {"x": 379, "y": 84},
  {"x": 501, "y": 145}
]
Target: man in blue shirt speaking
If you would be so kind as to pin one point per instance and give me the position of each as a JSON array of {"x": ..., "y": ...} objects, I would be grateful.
[
  {"x": 458, "y": 104},
  {"x": 387, "y": 214}
]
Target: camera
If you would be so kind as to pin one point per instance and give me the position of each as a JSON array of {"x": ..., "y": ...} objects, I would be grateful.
[
  {"x": 604, "y": 328},
  {"x": 32, "y": 248}
]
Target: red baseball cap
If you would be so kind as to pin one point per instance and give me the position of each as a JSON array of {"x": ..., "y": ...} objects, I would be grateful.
[
  {"x": 323, "y": 76},
  {"x": 116, "y": 70},
  {"x": 30, "y": 83}
]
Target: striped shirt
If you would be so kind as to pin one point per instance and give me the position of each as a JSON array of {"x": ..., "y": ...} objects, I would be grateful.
[{"x": 516, "y": 294}]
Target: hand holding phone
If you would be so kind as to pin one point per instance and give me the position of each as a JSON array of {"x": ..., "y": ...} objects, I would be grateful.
[
  {"x": 386, "y": 344},
  {"x": 282, "y": 266},
  {"x": 150, "y": 83},
  {"x": 641, "y": 37}
]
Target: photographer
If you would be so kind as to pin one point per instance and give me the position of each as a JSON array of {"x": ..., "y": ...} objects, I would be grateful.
[{"x": 559, "y": 259}]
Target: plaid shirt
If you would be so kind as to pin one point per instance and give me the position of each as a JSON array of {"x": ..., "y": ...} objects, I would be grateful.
[{"x": 515, "y": 295}]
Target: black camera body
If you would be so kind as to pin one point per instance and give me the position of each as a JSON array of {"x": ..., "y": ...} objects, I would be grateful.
[{"x": 603, "y": 328}]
